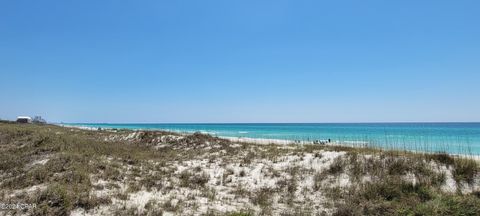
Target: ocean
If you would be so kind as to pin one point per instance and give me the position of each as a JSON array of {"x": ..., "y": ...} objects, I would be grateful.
[{"x": 453, "y": 138}]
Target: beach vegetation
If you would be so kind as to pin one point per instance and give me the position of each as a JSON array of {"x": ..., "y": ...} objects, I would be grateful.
[
  {"x": 67, "y": 169},
  {"x": 465, "y": 170}
]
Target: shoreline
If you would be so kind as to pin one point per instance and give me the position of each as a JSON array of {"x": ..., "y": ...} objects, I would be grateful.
[{"x": 266, "y": 141}]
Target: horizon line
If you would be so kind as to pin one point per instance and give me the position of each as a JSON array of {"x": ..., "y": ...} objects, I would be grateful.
[{"x": 376, "y": 122}]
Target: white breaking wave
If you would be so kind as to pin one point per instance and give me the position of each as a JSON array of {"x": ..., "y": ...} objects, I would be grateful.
[{"x": 207, "y": 132}]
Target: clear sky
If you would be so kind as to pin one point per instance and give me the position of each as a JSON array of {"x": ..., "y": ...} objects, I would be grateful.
[{"x": 240, "y": 61}]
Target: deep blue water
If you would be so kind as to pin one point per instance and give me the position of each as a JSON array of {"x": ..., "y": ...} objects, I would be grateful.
[{"x": 456, "y": 138}]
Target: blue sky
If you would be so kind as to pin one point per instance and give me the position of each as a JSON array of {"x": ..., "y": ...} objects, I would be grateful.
[{"x": 240, "y": 61}]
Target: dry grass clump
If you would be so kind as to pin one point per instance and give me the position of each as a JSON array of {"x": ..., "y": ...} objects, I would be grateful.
[
  {"x": 193, "y": 180},
  {"x": 465, "y": 170},
  {"x": 388, "y": 192},
  {"x": 151, "y": 137},
  {"x": 263, "y": 198},
  {"x": 152, "y": 181},
  {"x": 59, "y": 199},
  {"x": 397, "y": 197},
  {"x": 200, "y": 140}
]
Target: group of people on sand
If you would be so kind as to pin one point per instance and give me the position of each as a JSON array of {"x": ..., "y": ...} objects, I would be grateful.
[{"x": 322, "y": 142}]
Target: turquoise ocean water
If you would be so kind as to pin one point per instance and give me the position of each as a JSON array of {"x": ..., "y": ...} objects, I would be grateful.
[{"x": 455, "y": 138}]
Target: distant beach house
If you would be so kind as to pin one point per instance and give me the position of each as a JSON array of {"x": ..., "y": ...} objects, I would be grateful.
[{"x": 24, "y": 119}]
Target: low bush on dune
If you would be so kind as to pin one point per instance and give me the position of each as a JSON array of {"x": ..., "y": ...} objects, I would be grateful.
[
  {"x": 389, "y": 193},
  {"x": 465, "y": 170}
]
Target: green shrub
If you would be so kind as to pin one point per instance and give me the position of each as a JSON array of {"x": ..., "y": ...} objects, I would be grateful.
[
  {"x": 55, "y": 200},
  {"x": 465, "y": 170}
]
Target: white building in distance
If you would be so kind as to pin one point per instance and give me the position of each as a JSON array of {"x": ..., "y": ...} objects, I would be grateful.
[{"x": 24, "y": 119}]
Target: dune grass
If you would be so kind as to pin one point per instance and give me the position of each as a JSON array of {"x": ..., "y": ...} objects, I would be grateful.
[{"x": 61, "y": 166}]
